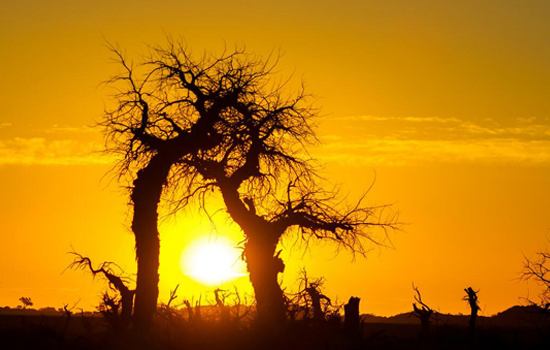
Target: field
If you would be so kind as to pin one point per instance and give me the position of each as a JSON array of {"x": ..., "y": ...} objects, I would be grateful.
[{"x": 89, "y": 331}]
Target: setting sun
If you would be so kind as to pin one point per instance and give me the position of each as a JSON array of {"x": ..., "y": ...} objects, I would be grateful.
[{"x": 212, "y": 261}]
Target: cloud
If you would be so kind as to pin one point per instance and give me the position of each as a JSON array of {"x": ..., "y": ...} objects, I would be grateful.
[
  {"x": 416, "y": 152},
  {"x": 413, "y": 141},
  {"x": 407, "y": 119},
  {"x": 38, "y": 150},
  {"x": 71, "y": 129}
]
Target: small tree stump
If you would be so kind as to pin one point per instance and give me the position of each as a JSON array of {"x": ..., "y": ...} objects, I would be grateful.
[{"x": 352, "y": 322}]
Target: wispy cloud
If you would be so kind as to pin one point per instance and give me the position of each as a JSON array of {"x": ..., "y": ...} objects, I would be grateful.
[
  {"x": 71, "y": 129},
  {"x": 415, "y": 152},
  {"x": 371, "y": 140},
  {"x": 445, "y": 128},
  {"x": 55, "y": 152}
]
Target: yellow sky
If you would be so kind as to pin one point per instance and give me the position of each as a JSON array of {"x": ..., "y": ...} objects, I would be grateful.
[{"x": 445, "y": 101}]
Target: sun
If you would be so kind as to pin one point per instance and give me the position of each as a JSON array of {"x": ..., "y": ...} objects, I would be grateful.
[{"x": 212, "y": 261}]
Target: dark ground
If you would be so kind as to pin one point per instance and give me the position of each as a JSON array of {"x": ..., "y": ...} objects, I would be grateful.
[{"x": 87, "y": 332}]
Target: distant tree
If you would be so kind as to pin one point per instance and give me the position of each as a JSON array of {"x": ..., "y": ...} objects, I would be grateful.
[
  {"x": 423, "y": 312},
  {"x": 26, "y": 301},
  {"x": 168, "y": 108},
  {"x": 473, "y": 302},
  {"x": 537, "y": 269}
]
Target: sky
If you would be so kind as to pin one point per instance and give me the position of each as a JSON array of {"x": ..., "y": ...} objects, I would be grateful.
[{"x": 442, "y": 104}]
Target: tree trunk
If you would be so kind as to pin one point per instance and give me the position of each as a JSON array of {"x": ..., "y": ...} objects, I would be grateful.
[
  {"x": 425, "y": 326},
  {"x": 264, "y": 268},
  {"x": 473, "y": 318},
  {"x": 145, "y": 196},
  {"x": 127, "y": 301}
]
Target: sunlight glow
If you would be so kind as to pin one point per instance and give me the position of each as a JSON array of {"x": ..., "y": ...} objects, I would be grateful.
[{"x": 212, "y": 262}]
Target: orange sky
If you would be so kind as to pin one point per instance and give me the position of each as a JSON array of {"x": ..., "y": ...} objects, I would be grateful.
[{"x": 445, "y": 101}]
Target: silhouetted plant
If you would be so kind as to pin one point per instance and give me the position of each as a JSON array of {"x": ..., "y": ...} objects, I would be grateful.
[
  {"x": 171, "y": 318},
  {"x": 231, "y": 307},
  {"x": 424, "y": 313},
  {"x": 270, "y": 187},
  {"x": 310, "y": 303},
  {"x": 473, "y": 302},
  {"x": 67, "y": 313},
  {"x": 26, "y": 302},
  {"x": 110, "y": 305},
  {"x": 193, "y": 312},
  {"x": 220, "y": 297},
  {"x": 538, "y": 270}
]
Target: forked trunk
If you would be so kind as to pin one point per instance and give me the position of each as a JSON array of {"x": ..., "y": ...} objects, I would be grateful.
[
  {"x": 145, "y": 197},
  {"x": 264, "y": 267}
]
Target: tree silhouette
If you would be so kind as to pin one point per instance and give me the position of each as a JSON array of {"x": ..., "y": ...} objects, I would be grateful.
[
  {"x": 26, "y": 302},
  {"x": 471, "y": 298},
  {"x": 310, "y": 302},
  {"x": 168, "y": 108},
  {"x": 538, "y": 270},
  {"x": 110, "y": 305},
  {"x": 270, "y": 187},
  {"x": 424, "y": 313}
]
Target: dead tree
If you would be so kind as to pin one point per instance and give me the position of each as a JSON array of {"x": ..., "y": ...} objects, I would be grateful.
[
  {"x": 309, "y": 302},
  {"x": 194, "y": 313},
  {"x": 424, "y": 313},
  {"x": 538, "y": 270},
  {"x": 220, "y": 297},
  {"x": 270, "y": 190},
  {"x": 471, "y": 298},
  {"x": 313, "y": 289},
  {"x": 67, "y": 313},
  {"x": 169, "y": 108},
  {"x": 316, "y": 296},
  {"x": 352, "y": 321},
  {"x": 117, "y": 283}
]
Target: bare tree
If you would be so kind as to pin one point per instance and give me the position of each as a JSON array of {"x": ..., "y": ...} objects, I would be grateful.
[
  {"x": 310, "y": 302},
  {"x": 424, "y": 312},
  {"x": 194, "y": 313},
  {"x": 270, "y": 187},
  {"x": 538, "y": 270},
  {"x": 117, "y": 283},
  {"x": 168, "y": 108},
  {"x": 471, "y": 298}
]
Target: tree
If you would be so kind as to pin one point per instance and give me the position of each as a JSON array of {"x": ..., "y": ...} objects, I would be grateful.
[
  {"x": 473, "y": 302},
  {"x": 26, "y": 301},
  {"x": 538, "y": 270},
  {"x": 310, "y": 302},
  {"x": 168, "y": 108},
  {"x": 270, "y": 187},
  {"x": 424, "y": 313},
  {"x": 110, "y": 305}
]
